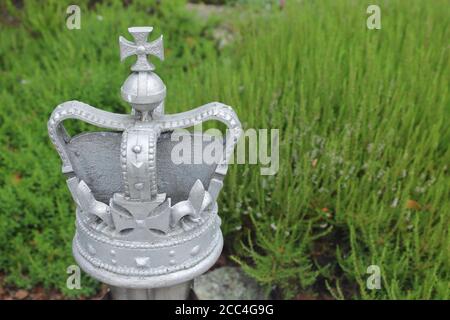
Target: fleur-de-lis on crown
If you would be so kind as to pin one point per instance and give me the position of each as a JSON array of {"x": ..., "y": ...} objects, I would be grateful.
[{"x": 141, "y": 48}]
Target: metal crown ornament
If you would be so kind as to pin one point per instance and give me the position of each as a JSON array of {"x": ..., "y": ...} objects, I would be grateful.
[{"x": 142, "y": 222}]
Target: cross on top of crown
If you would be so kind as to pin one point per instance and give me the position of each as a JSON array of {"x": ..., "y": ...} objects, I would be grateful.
[{"x": 141, "y": 48}]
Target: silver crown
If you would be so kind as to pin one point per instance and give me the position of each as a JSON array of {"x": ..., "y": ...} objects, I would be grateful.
[{"x": 142, "y": 220}]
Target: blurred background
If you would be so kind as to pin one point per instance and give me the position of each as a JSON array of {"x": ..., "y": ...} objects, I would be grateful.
[{"x": 364, "y": 136}]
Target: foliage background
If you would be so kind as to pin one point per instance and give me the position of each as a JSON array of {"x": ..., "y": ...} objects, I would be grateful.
[{"x": 363, "y": 118}]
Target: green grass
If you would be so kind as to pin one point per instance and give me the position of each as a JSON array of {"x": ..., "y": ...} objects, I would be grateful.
[{"x": 363, "y": 118}]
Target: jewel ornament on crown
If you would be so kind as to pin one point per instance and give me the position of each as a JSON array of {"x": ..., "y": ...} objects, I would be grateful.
[{"x": 141, "y": 237}]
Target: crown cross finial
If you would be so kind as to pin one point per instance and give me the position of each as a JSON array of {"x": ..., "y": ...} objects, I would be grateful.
[{"x": 141, "y": 48}]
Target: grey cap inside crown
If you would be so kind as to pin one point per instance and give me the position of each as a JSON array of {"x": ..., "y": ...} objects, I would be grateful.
[{"x": 95, "y": 158}]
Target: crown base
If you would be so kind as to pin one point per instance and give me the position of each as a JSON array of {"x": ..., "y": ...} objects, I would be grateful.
[
  {"x": 159, "y": 281},
  {"x": 139, "y": 265}
]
